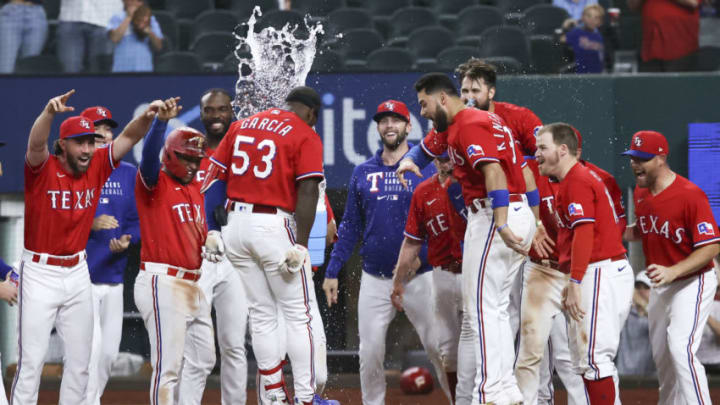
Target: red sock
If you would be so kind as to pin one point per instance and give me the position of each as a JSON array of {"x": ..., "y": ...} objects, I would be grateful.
[
  {"x": 452, "y": 382},
  {"x": 601, "y": 392}
]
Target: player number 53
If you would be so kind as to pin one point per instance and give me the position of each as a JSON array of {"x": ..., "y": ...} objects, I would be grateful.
[{"x": 266, "y": 145}]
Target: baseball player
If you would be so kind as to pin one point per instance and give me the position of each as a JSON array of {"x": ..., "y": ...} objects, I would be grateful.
[
  {"x": 589, "y": 246},
  {"x": 377, "y": 209},
  {"x": 680, "y": 238},
  {"x": 221, "y": 285},
  {"x": 493, "y": 186},
  {"x": 115, "y": 225},
  {"x": 61, "y": 194},
  {"x": 272, "y": 163},
  {"x": 432, "y": 218},
  {"x": 175, "y": 239}
]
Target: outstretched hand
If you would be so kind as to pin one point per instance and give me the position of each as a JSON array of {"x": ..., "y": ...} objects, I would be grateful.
[
  {"x": 542, "y": 242},
  {"x": 167, "y": 109},
  {"x": 59, "y": 104},
  {"x": 513, "y": 241},
  {"x": 407, "y": 165}
]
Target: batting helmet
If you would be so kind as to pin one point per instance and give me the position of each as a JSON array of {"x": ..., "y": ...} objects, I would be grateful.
[
  {"x": 185, "y": 141},
  {"x": 416, "y": 380}
]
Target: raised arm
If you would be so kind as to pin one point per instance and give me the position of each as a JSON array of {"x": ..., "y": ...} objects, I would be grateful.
[
  {"x": 37, "y": 149},
  {"x": 138, "y": 127}
]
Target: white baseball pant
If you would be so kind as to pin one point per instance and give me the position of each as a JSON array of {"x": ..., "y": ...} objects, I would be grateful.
[
  {"x": 489, "y": 270},
  {"x": 60, "y": 297},
  {"x": 172, "y": 309},
  {"x": 447, "y": 299},
  {"x": 677, "y": 314},
  {"x": 224, "y": 289},
  {"x": 107, "y": 332},
  {"x": 607, "y": 289},
  {"x": 3, "y": 397},
  {"x": 466, "y": 363},
  {"x": 542, "y": 321},
  {"x": 375, "y": 312},
  {"x": 318, "y": 330},
  {"x": 256, "y": 244}
]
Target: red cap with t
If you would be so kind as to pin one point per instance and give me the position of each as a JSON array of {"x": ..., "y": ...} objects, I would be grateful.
[
  {"x": 647, "y": 145},
  {"x": 99, "y": 115},
  {"x": 77, "y": 126},
  {"x": 392, "y": 107}
]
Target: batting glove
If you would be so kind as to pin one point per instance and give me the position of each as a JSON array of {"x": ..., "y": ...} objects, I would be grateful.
[
  {"x": 294, "y": 259},
  {"x": 214, "y": 248}
]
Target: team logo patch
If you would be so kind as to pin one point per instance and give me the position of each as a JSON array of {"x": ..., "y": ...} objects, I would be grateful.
[
  {"x": 101, "y": 112},
  {"x": 705, "y": 228},
  {"x": 390, "y": 106},
  {"x": 575, "y": 209},
  {"x": 85, "y": 124},
  {"x": 637, "y": 141},
  {"x": 474, "y": 150}
]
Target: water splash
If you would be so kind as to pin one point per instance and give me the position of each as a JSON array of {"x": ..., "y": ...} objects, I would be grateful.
[{"x": 277, "y": 62}]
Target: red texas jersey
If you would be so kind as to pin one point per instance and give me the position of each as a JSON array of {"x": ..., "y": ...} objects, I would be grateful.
[
  {"x": 583, "y": 198},
  {"x": 172, "y": 222},
  {"x": 60, "y": 208},
  {"x": 265, "y": 155},
  {"x": 674, "y": 222},
  {"x": 614, "y": 190},
  {"x": 476, "y": 137},
  {"x": 546, "y": 189},
  {"x": 431, "y": 216},
  {"x": 522, "y": 122}
]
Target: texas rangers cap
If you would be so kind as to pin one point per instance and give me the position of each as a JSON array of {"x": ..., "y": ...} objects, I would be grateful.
[
  {"x": 643, "y": 278},
  {"x": 393, "y": 107},
  {"x": 647, "y": 145},
  {"x": 99, "y": 115},
  {"x": 77, "y": 126}
]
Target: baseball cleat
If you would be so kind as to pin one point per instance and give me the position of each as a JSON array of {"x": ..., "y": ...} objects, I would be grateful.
[{"x": 318, "y": 400}]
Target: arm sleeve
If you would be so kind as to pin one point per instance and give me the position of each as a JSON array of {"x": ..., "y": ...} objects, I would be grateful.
[
  {"x": 418, "y": 155},
  {"x": 349, "y": 231},
  {"x": 582, "y": 246},
  {"x": 309, "y": 163},
  {"x": 155, "y": 27},
  {"x": 701, "y": 220},
  {"x": 435, "y": 143},
  {"x": 415, "y": 226},
  {"x": 150, "y": 162},
  {"x": 132, "y": 220},
  {"x": 214, "y": 197},
  {"x": 530, "y": 127},
  {"x": 479, "y": 145},
  {"x": 454, "y": 191},
  {"x": 581, "y": 206},
  {"x": 4, "y": 270},
  {"x": 115, "y": 21}
]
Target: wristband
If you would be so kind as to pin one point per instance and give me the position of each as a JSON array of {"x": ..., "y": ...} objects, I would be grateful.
[
  {"x": 576, "y": 281},
  {"x": 500, "y": 198},
  {"x": 500, "y": 228},
  {"x": 539, "y": 223},
  {"x": 533, "y": 198}
]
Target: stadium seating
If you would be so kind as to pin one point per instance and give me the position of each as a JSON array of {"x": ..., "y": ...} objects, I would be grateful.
[
  {"x": 356, "y": 45},
  {"x": 428, "y": 42},
  {"x": 169, "y": 28},
  {"x": 317, "y": 8},
  {"x": 505, "y": 65},
  {"x": 451, "y": 57},
  {"x": 406, "y": 20},
  {"x": 543, "y": 19},
  {"x": 505, "y": 41},
  {"x": 188, "y": 8},
  {"x": 390, "y": 60},
  {"x": 279, "y": 18},
  {"x": 549, "y": 56},
  {"x": 384, "y": 7},
  {"x": 214, "y": 20},
  {"x": 213, "y": 47},
  {"x": 472, "y": 21},
  {"x": 52, "y": 9},
  {"x": 708, "y": 59},
  {"x": 243, "y": 8},
  {"x": 38, "y": 65},
  {"x": 630, "y": 32},
  {"x": 178, "y": 62},
  {"x": 346, "y": 18},
  {"x": 328, "y": 62}
]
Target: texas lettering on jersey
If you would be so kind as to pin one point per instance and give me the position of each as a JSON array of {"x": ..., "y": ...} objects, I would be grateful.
[{"x": 77, "y": 200}]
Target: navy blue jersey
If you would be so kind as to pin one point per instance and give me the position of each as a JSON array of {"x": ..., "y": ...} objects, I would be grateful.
[
  {"x": 117, "y": 199},
  {"x": 4, "y": 270},
  {"x": 376, "y": 210},
  {"x": 589, "y": 50}
]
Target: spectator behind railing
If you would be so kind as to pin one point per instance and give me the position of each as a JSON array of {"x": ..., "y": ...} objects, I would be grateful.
[
  {"x": 575, "y": 8},
  {"x": 670, "y": 34},
  {"x": 709, "y": 350},
  {"x": 587, "y": 42},
  {"x": 634, "y": 356},
  {"x": 81, "y": 32},
  {"x": 23, "y": 30},
  {"x": 136, "y": 34}
]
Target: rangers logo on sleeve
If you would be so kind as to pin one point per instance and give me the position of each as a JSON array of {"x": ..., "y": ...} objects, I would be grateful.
[
  {"x": 575, "y": 209},
  {"x": 473, "y": 150},
  {"x": 705, "y": 228}
]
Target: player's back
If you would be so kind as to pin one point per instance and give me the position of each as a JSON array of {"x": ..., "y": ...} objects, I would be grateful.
[
  {"x": 522, "y": 121},
  {"x": 264, "y": 156}
]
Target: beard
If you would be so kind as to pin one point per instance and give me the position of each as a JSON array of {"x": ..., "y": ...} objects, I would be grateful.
[
  {"x": 440, "y": 120},
  {"x": 215, "y": 136},
  {"x": 75, "y": 164},
  {"x": 399, "y": 139}
]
